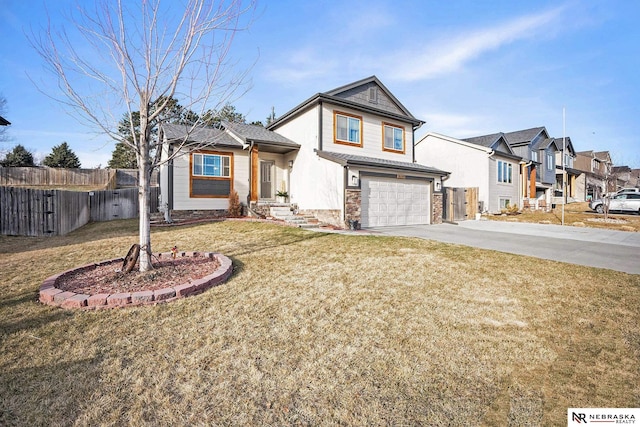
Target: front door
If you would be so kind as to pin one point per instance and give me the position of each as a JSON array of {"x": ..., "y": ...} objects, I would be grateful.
[{"x": 266, "y": 179}]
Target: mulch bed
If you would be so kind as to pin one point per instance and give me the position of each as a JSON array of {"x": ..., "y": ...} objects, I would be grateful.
[{"x": 108, "y": 279}]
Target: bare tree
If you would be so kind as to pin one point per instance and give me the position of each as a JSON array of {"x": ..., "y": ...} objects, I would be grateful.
[{"x": 126, "y": 55}]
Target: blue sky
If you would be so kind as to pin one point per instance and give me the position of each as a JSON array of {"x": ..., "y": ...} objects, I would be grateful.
[{"x": 467, "y": 68}]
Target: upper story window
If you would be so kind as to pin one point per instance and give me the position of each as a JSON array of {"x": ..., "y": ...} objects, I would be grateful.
[
  {"x": 347, "y": 129},
  {"x": 568, "y": 160},
  {"x": 211, "y": 165},
  {"x": 505, "y": 172},
  {"x": 534, "y": 155},
  {"x": 595, "y": 165},
  {"x": 550, "y": 165},
  {"x": 393, "y": 138}
]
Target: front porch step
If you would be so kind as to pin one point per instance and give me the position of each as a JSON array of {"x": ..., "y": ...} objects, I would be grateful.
[{"x": 284, "y": 213}]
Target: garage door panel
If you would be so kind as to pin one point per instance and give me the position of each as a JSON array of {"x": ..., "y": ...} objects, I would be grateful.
[{"x": 390, "y": 201}]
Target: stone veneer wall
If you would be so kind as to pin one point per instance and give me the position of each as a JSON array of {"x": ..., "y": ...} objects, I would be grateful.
[
  {"x": 353, "y": 206},
  {"x": 437, "y": 208},
  {"x": 326, "y": 216}
]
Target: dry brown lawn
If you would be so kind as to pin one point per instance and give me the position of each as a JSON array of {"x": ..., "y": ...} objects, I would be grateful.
[
  {"x": 578, "y": 215},
  {"x": 318, "y": 329}
]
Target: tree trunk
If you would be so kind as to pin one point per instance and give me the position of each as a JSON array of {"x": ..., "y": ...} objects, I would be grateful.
[{"x": 144, "y": 167}]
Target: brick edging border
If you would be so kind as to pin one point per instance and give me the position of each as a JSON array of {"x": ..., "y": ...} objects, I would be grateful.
[{"x": 51, "y": 295}]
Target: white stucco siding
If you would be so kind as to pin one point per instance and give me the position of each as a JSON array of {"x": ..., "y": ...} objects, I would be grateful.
[
  {"x": 181, "y": 176},
  {"x": 302, "y": 130},
  {"x": 469, "y": 166},
  {"x": 371, "y": 135},
  {"x": 316, "y": 183}
]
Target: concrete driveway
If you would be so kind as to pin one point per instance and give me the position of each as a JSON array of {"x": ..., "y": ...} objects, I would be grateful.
[{"x": 616, "y": 250}]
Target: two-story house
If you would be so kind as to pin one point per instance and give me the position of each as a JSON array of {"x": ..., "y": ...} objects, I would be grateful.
[
  {"x": 566, "y": 174},
  {"x": 342, "y": 155},
  {"x": 486, "y": 162},
  {"x": 538, "y": 170},
  {"x": 596, "y": 167}
]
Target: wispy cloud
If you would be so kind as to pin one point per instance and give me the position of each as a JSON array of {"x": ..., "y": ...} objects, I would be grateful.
[
  {"x": 446, "y": 56},
  {"x": 299, "y": 65}
]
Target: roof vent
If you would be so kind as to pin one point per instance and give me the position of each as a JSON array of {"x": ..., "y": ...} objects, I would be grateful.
[{"x": 373, "y": 95}]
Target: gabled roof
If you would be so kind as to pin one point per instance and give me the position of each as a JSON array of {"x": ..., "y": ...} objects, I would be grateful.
[
  {"x": 603, "y": 156},
  {"x": 567, "y": 143},
  {"x": 523, "y": 137},
  {"x": 4, "y": 122},
  {"x": 235, "y": 135},
  {"x": 493, "y": 141},
  {"x": 176, "y": 133},
  {"x": 355, "y": 160},
  {"x": 545, "y": 143},
  {"x": 485, "y": 140},
  {"x": 337, "y": 96},
  {"x": 261, "y": 136}
]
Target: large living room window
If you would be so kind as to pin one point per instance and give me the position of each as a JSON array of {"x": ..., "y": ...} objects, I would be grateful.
[
  {"x": 393, "y": 138},
  {"x": 212, "y": 165},
  {"x": 347, "y": 129},
  {"x": 505, "y": 172},
  {"x": 211, "y": 175}
]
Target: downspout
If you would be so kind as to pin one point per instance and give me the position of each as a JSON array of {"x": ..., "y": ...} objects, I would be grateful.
[
  {"x": 320, "y": 126},
  {"x": 413, "y": 144},
  {"x": 344, "y": 194},
  {"x": 250, "y": 174}
]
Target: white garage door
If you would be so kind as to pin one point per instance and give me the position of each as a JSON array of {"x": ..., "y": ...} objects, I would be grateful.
[{"x": 390, "y": 201}]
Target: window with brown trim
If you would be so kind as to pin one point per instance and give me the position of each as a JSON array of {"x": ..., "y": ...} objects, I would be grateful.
[
  {"x": 211, "y": 174},
  {"x": 347, "y": 129},
  {"x": 392, "y": 138}
]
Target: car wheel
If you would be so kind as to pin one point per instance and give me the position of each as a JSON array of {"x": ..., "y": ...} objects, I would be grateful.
[{"x": 600, "y": 209}]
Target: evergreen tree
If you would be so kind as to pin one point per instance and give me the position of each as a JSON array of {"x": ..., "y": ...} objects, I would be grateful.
[
  {"x": 18, "y": 157},
  {"x": 62, "y": 157},
  {"x": 123, "y": 157},
  {"x": 227, "y": 113}
]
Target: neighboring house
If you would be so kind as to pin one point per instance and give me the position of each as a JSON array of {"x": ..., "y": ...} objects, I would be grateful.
[
  {"x": 567, "y": 169},
  {"x": 4, "y": 122},
  {"x": 537, "y": 170},
  {"x": 596, "y": 173},
  {"x": 486, "y": 162},
  {"x": 627, "y": 177},
  {"x": 343, "y": 155}
]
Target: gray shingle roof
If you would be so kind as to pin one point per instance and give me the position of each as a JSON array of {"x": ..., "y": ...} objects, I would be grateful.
[
  {"x": 484, "y": 140},
  {"x": 331, "y": 96},
  {"x": 543, "y": 143},
  {"x": 355, "y": 160},
  {"x": 522, "y": 136},
  {"x": 199, "y": 135},
  {"x": 257, "y": 134}
]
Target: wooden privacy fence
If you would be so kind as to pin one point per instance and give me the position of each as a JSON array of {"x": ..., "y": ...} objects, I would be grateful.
[
  {"x": 35, "y": 176},
  {"x": 28, "y": 212},
  {"x": 460, "y": 204},
  {"x": 121, "y": 203},
  {"x": 43, "y": 176}
]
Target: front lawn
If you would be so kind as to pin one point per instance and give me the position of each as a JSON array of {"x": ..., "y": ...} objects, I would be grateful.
[
  {"x": 577, "y": 215},
  {"x": 318, "y": 329}
]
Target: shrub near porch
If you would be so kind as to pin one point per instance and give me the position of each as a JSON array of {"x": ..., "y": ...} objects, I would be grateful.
[{"x": 318, "y": 328}]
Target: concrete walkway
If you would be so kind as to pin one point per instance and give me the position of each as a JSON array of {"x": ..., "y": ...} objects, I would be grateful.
[{"x": 616, "y": 250}]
